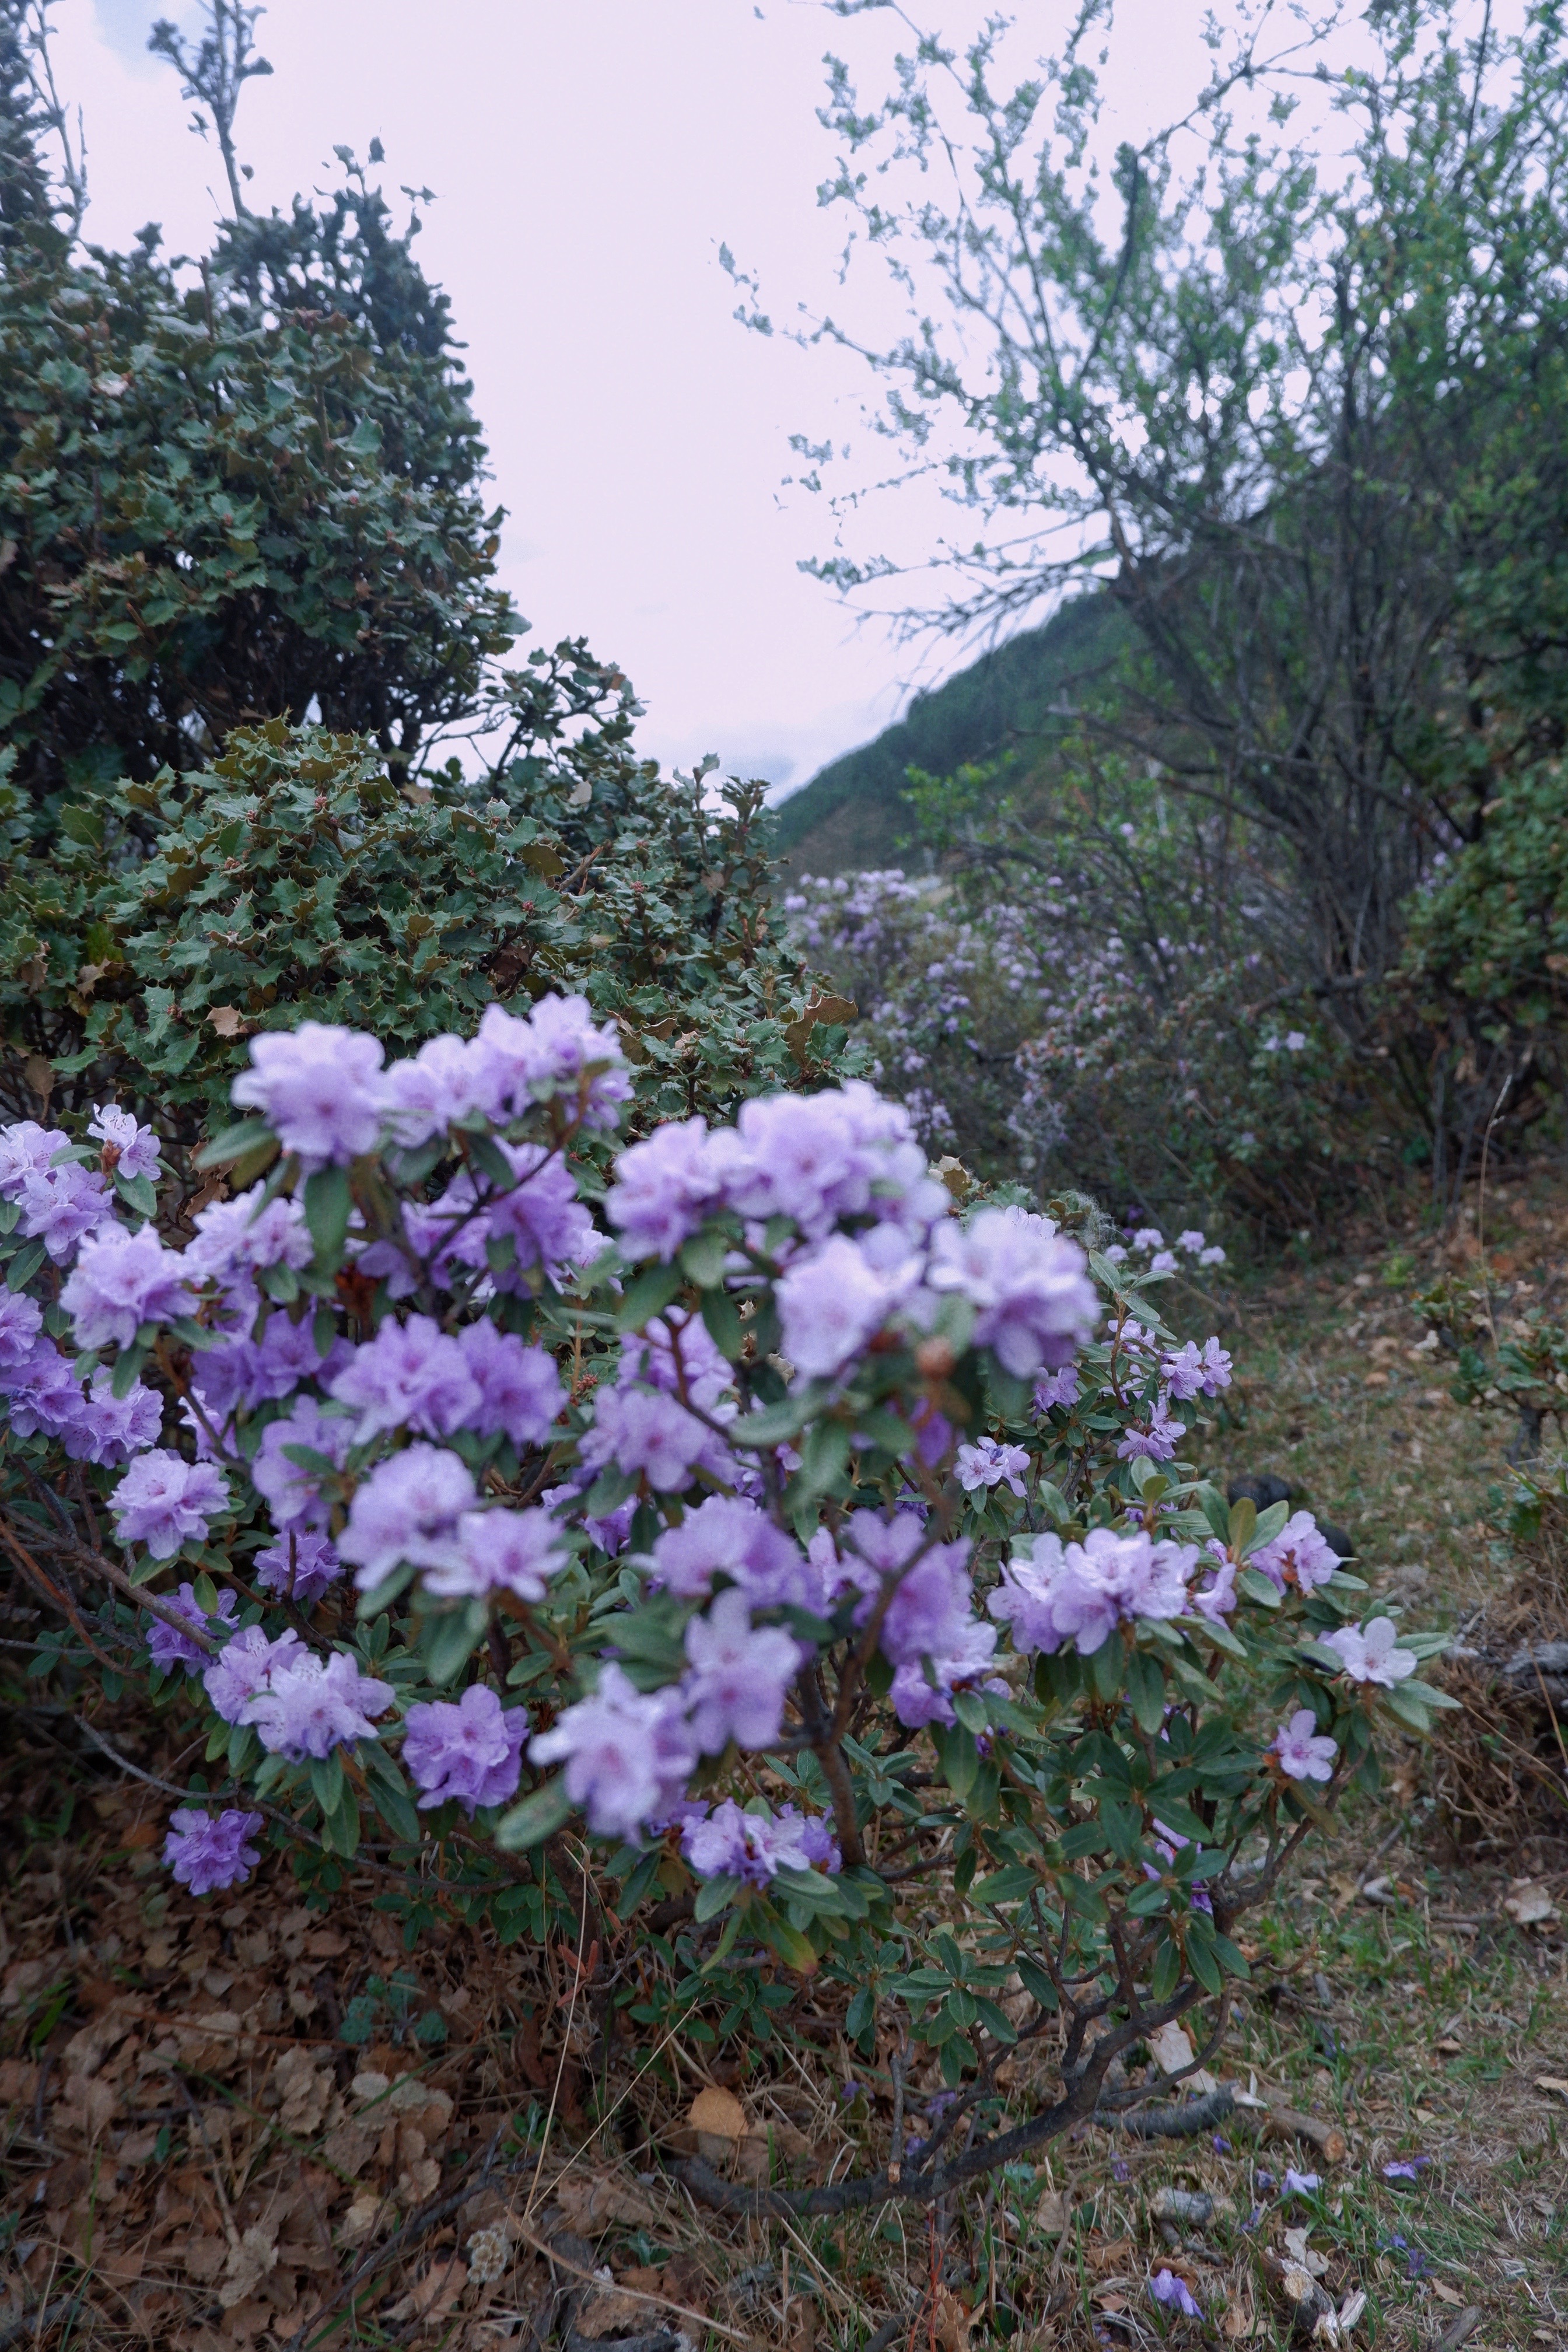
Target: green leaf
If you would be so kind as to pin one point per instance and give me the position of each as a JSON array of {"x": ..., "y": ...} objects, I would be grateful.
[
  {"x": 328, "y": 1204},
  {"x": 704, "y": 1258},
  {"x": 714, "y": 1894},
  {"x": 236, "y": 1143},
  {"x": 138, "y": 1192},
  {"x": 792, "y": 1948},
  {"x": 24, "y": 1265},
  {"x": 537, "y": 1817},
  {"x": 647, "y": 1296},
  {"x": 339, "y": 1830},
  {"x": 1258, "y": 1587},
  {"x": 449, "y": 1639},
  {"x": 127, "y": 1370},
  {"x": 725, "y": 1328},
  {"x": 1146, "y": 1690}
]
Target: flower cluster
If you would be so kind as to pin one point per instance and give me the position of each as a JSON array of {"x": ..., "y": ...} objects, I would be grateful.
[{"x": 723, "y": 1493}]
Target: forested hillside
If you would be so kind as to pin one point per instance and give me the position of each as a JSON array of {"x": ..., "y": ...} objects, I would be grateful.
[{"x": 852, "y": 814}]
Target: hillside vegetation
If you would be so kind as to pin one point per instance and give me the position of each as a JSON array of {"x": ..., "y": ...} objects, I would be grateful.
[{"x": 853, "y": 815}]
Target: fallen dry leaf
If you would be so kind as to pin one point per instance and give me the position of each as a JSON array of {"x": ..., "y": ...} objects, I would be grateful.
[
  {"x": 595, "y": 2202},
  {"x": 1447, "y": 2294},
  {"x": 606, "y": 2311},
  {"x": 1530, "y": 1906},
  {"x": 226, "y": 1021},
  {"x": 952, "y": 2321},
  {"x": 1555, "y": 2083},
  {"x": 717, "y": 2113},
  {"x": 1172, "y": 2050},
  {"x": 438, "y": 2290}
]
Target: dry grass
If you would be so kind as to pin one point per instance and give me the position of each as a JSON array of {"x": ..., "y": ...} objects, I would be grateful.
[{"x": 196, "y": 2158}]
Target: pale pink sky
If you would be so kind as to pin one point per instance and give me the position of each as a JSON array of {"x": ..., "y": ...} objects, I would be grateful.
[{"x": 588, "y": 159}]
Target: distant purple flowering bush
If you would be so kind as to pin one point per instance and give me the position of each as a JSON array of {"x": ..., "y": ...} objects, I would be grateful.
[{"x": 712, "y": 1516}]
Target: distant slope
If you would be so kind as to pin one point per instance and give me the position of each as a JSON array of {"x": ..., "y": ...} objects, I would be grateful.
[{"x": 850, "y": 815}]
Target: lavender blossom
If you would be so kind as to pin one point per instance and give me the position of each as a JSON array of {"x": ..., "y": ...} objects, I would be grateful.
[
  {"x": 1028, "y": 1283},
  {"x": 445, "y": 1082},
  {"x": 556, "y": 1052},
  {"x": 293, "y": 1492},
  {"x": 1370, "y": 1655},
  {"x": 521, "y": 1395},
  {"x": 109, "y": 1430},
  {"x": 1051, "y": 1592},
  {"x": 663, "y": 1190},
  {"x": 1158, "y": 1442},
  {"x": 629, "y": 1755},
  {"x": 167, "y": 1646},
  {"x": 833, "y": 1302},
  {"x": 245, "y": 1665},
  {"x": 472, "y": 1751},
  {"x": 320, "y": 1090},
  {"x": 407, "y": 1510},
  {"x": 163, "y": 1502},
  {"x": 62, "y": 1205},
  {"x": 21, "y": 1325},
  {"x": 501, "y": 1551},
  {"x": 727, "y": 1535},
  {"x": 1298, "y": 1555},
  {"x": 311, "y": 1706},
  {"x": 1192, "y": 1371},
  {"x": 1301, "y": 1751},
  {"x": 739, "y": 1675},
  {"x": 300, "y": 1566},
  {"x": 1063, "y": 1388},
  {"x": 1167, "y": 2288},
  {"x": 121, "y": 1281},
  {"x": 209, "y": 1852},
  {"x": 987, "y": 1464},
  {"x": 135, "y": 1147},
  {"x": 645, "y": 1434},
  {"x": 1299, "y": 2184},
  {"x": 240, "y": 1238},
  {"x": 752, "y": 1847},
  {"x": 410, "y": 1375},
  {"x": 921, "y": 1690},
  {"x": 26, "y": 1148}
]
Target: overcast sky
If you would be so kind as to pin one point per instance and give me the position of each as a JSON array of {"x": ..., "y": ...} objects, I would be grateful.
[{"x": 588, "y": 159}]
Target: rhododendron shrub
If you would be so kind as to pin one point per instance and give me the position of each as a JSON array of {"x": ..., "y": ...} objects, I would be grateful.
[{"x": 723, "y": 1521}]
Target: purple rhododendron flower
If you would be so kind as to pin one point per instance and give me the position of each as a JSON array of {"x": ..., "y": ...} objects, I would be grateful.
[
  {"x": 663, "y": 1189},
  {"x": 472, "y": 1751},
  {"x": 110, "y": 1430},
  {"x": 739, "y": 1675},
  {"x": 921, "y": 1690},
  {"x": 1370, "y": 1654},
  {"x": 752, "y": 1847},
  {"x": 1406, "y": 2167},
  {"x": 165, "y": 1501},
  {"x": 235, "y": 1238},
  {"x": 1298, "y": 1555},
  {"x": 519, "y": 1389},
  {"x": 1062, "y": 1388},
  {"x": 1051, "y": 1592},
  {"x": 410, "y": 1375},
  {"x": 291, "y": 1490},
  {"x": 21, "y": 1324},
  {"x": 501, "y": 1551},
  {"x": 929, "y": 1615},
  {"x": 1167, "y": 2288},
  {"x": 310, "y": 1707},
  {"x": 446, "y": 1081},
  {"x": 629, "y": 1754},
  {"x": 320, "y": 1090},
  {"x": 678, "y": 1357},
  {"x": 25, "y": 1148},
  {"x": 727, "y": 1535},
  {"x": 987, "y": 1464},
  {"x": 167, "y": 1646},
  {"x": 120, "y": 1280},
  {"x": 1302, "y": 1752},
  {"x": 60, "y": 1206},
  {"x": 645, "y": 1434},
  {"x": 821, "y": 1846},
  {"x": 44, "y": 1391},
  {"x": 135, "y": 1147},
  {"x": 549, "y": 1055},
  {"x": 1192, "y": 1371},
  {"x": 1299, "y": 2184},
  {"x": 207, "y": 1852},
  {"x": 1157, "y": 1443},
  {"x": 246, "y": 1665},
  {"x": 407, "y": 1510},
  {"x": 301, "y": 1565},
  {"x": 832, "y": 1302},
  {"x": 1029, "y": 1284},
  {"x": 1217, "y": 1598}
]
